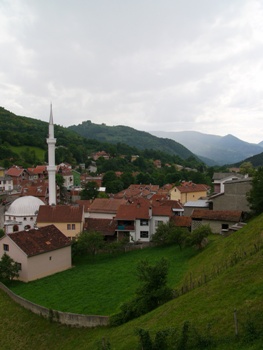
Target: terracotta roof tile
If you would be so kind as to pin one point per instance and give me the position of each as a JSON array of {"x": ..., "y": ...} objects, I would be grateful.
[
  {"x": 182, "y": 221},
  {"x": 60, "y": 213},
  {"x": 42, "y": 240},
  {"x": 106, "y": 205},
  {"x": 132, "y": 212},
  {"x": 105, "y": 226},
  {"x": 222, "y": 215}
]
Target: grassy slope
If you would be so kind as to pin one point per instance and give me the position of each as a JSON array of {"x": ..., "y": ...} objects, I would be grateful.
[
  {"x": 112, "y": 278},
  {"x": 239, "y": 286},
  {"x": 40, "y": 153}
]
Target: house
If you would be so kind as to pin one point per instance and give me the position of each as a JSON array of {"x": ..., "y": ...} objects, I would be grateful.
[
  {"x": 133, "y": 220},
  {"x": 218, "y": 220},
  {"x": 39, "y": 252},
  {"x": 189, "y": 191},
  {"x": 219, "y": 180},
  {"x": 100, "y": 154},
  {"x": 138, "y": 191},
  {"x": 104, "y": 208},
  {"x": 18, "y": 174},
  {"x": 39, "y": 172},
  {"x": 69, "y": 219},
  {"x": 140, "y": 219},
  {"x": 107, "y": 227},
  {"x": 199, "y": 204},
  {"x": 37, "y": 189},
  {"x": 234, "y": 196},
  {"x": 6, "y": 183},
  {"x": 182, "y": 221}
]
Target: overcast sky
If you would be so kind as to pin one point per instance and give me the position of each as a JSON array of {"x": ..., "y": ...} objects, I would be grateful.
[{"x": 169, "y": 65}]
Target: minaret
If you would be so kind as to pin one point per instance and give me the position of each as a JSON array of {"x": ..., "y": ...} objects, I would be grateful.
[{"x": 51, "y": 168}]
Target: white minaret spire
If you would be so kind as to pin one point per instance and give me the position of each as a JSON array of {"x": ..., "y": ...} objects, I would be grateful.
[{"x": 51, "y": 168}]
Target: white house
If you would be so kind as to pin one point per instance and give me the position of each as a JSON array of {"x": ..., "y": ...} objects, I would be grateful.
[{"x": 39, "y": 252}]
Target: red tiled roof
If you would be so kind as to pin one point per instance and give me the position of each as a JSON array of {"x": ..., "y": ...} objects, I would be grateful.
[
  {"x": 86, "y": 203},
  {"x": 162, "y": 211},
  {"x": 191, "y": 187},
  {"x": 182, "y": 221},
  {"x": 41, "y": 240},
  {"x": 105, "y": 205},
  {"x": 16, "y": 172},
  {"x": 222, "y": 215},
  {"x": 132, "y": 212},
  {"x": 60, "y": 213},
  {"x": 105, "y": 226}
]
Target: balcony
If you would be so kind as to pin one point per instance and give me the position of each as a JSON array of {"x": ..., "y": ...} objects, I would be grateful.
[{"x": 125, "y": 227}]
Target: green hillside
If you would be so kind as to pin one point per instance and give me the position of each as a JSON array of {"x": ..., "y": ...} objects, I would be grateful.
[
  {"x": 225, "y": 276},
  {"x": 132, "y": 137}
]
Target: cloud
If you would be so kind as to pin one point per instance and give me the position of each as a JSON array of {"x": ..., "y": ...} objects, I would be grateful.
[{"x": 166, "y": 65}]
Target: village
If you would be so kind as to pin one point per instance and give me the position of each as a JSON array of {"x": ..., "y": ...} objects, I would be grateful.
[{"x": 39, "y": 229}]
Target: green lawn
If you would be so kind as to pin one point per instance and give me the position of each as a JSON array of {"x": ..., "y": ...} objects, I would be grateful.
[{"x": 99, "y": 285}]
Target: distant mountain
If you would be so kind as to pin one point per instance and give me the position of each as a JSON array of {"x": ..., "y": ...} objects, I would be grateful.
[
  {"x": 214, "y": 149},
  {"x": 131, "y": 137}
]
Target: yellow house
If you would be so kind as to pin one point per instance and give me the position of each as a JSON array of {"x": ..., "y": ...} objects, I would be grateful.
[
  {"x": 38, "y": 252},
  {"x": 189, "y": 191},
  {"x": 69, "y": 219}
]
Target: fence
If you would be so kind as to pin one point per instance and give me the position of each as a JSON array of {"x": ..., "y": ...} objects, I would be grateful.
[{"x": 67, "y": 318}]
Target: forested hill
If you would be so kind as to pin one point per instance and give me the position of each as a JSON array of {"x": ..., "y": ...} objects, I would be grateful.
[
  {"x": 132, "y": 137},
  {"x": 23, "y": 142}
]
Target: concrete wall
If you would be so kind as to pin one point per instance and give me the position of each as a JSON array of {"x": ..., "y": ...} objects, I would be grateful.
[
  {"x": 235, "y": 196},
  {"x": 216, "y": 226},
  {"x": 67, "y": 318}
]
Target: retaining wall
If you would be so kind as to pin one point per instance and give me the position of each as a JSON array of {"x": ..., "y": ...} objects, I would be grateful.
[{"x": 67, "y": 318}]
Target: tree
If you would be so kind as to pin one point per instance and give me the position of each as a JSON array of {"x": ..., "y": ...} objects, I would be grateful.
[
  {"x": 254, "y": 196},
  {"x": 246, "y": 168},
  {"x": 90, "y": 190},
  {"x": 2, "y": 232},
  {"x": 198, "y": 235},
  {"x": 168, "y": 233},
  {"x": 89, "y": 242},
  {"x": 8, "y": 269},
  {"x": 151, "y": 293}
]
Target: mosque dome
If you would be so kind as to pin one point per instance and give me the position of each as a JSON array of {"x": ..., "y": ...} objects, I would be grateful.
[{"x": 24, "y": 206}]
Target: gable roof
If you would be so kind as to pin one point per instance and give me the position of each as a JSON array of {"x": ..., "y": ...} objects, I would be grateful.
[
  {"x": 162, "y": 210},
  {"x": 219, "y": 215},
  {"x": 15, "y": 172},
  {"x": 182, "y": 221},
  {"x": 41, "y": 240},
  {"x": 132, "y": 212},
  {"x": 105, "y": 205},
  {"x": 188, "y": 187},
  {"x": 60, "y": 213},
  {"x": 105, "y": 226}
]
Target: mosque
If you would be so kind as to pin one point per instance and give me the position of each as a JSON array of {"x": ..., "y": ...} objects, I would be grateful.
[{"x": 22, "y": 213}]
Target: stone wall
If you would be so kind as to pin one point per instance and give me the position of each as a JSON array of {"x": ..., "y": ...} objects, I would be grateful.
[{"x": 67, "y": 318}]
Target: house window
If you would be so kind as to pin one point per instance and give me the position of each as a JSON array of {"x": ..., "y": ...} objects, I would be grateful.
[
  {"x": 31, "y": 219},
  {"x": 50, "y": 258},
  {"x": 144, "y": 234},
  {"x": 24, "y": 219},
  {"x": 73, "y": 227},
  {"x": 68, "y": 226},
  {"x": 144, "y": 222},
  {"x": 6, "y": 247}
]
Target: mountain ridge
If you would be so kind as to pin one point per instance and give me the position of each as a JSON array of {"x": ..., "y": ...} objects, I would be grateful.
[{"x": 214, "y": 149}]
